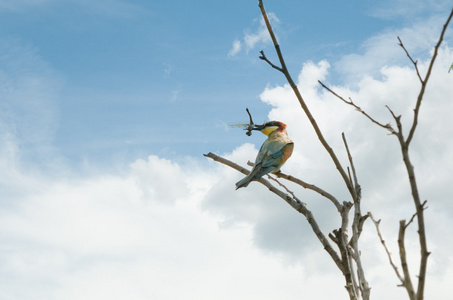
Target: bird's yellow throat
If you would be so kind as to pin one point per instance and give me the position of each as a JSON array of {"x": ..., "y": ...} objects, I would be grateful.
[{"x": 269, "y": 130}]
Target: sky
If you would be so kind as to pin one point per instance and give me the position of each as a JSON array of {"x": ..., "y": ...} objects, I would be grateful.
[{"x": 106, "y": 110}]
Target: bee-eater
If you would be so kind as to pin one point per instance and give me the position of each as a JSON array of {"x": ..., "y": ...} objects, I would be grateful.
[{"x": 274, "y": 152}]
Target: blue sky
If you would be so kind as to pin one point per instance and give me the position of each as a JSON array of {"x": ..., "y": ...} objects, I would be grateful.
[
  {"x": 106, "y": 108},
  {"x": 145, "y": 77}
]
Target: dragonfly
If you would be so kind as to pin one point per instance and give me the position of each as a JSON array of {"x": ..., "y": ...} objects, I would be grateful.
[{"x": 248, "y": 127}]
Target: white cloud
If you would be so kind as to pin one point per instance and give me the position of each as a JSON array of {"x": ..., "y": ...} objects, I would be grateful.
[
  {"x": 376, "y": 155},
  {"x": 254, "y": 38},
  {"x": 261, "y": 35},
  {"x": 383, "y": 49},
  {"x": 165, "y": 230},
  {"x": 108, "y": 236},
  {"x": 235, "y": 48}
]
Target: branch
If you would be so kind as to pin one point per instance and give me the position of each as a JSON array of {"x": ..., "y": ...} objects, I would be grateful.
[
  {"x": 304, "y": 106},
  {"x": 425, "y": 81},
  {"x": 411, "y": 173},
  {"x": 342, "y": 237},
  {"x": 414, "y": 62},
  {"x": 357, "y": 188},
  {"x": 389, "y": 255},
  {"x": 274, "y": 39},
  {"x": 357, "y": 226},
  {"x": 415, "y": 214},
  {"x": 307, "y": 186},
  {"x": 407, "y": 282},
  {"x": 350, "y": 102},
  {"x": 292, "y": 201},
  {"x": 263, "y": 57}
]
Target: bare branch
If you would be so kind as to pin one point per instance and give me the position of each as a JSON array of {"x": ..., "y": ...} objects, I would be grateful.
[
  {"x": 274, "y": 39},
  {"x": 411, "y": 173},
  {"x": 425, "y": 81},
  {"x": 263, "y": 57},
  {"x": 407, "y": 282},
  {"x": 351, "y": 282},
  {"x": 350, "y": 102},
  {"x": 356, "y": 227},
  {"x": 414, "y": 62},
  {"x": 282, "y": 185},
  {"x": 389, "y": 255},
  {"x": 293, "y": 202},
  {"x": 357, "y": 187},
  {"x": 307, "y": 186},
  {"x": 399, "y": 133},
  {"x": 415, "y": 214},
  {"x": 303, "y": 104}
]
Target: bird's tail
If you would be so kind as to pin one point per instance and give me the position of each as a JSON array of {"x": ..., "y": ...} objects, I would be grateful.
[
  {"x": 256, "y": 174},
  {"x": 244, "y": 181}
]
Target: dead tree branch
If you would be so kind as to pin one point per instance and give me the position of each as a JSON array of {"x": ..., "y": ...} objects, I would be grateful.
[
  {"x": 425, "y": 81},
  {"x": 389, "y": 255},
  {"x": 304, "y": 106},
  {"x": 341, "y": 235},
  {"x": 308, "y": 186},
  {"x": 293, "y": 202},
  {"x": 387, "y": 126},
  {"x": 414, "y": 62},
  {"x": 404, "y": 144},
  {"x": 357, "y": 226},
  {"x": 407, "y": 282},
  {"x": 410, "y": 169}
]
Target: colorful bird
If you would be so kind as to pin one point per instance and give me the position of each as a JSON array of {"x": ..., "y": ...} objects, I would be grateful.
[{"x": 274, "y": 152}]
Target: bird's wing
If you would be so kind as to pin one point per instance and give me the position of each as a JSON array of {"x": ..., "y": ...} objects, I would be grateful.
[
  {"x": 268, "y": 148},
  {"x": 279, "y": 157}
]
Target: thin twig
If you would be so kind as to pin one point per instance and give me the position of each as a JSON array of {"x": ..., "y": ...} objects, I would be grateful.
[
  {"x": 304, "y": 106},
  {"x": 356, "y": 231},
  {"x": 357, "y": 187},
  {"x": 414, "y": 62},
  {"x": 350, "y": 102},
  {"x": 415, "y": 214},
  {"x": 263, "y": 57},
  {"x": 282, "y": 185},
  {"x": 411, "y": 173},
  {"x": 307, "y": 186},
  {"x": 294, "y": 202},
  {"x": 407, "y": 282},
  {"x": 425, "y": 81},
  {"x": 389, "y": 255}
]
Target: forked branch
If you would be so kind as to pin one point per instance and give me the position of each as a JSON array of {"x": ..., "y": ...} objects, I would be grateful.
[
  {"x": 308, "y": 186},
  {"x": 425, "y": 81},
  {"x": 389, "y": 255},
  {"x": 304, "y": 106},
  {"x": 293, "y": 201},
  {"x": 387, "y": 126},
  {"x": 404, "y": 144}
]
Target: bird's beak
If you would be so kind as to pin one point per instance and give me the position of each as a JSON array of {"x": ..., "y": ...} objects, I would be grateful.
[{"x": 258, "y": 127}]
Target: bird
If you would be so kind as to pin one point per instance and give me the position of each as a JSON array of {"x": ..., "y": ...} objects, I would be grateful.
[{"x": 274, "y": 152}]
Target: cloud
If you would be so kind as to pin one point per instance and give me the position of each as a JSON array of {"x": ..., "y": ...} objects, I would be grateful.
[
  {"x": 140, "y": 235},
  {"x": 235, "y": 48},
  {"x": 382, "y": 49},
  {"x": 253, "y": 38},
  {"x": 377, "y": 158},
  {"x": 163, "y": 229},
  {"x": 29, "y": 90}
]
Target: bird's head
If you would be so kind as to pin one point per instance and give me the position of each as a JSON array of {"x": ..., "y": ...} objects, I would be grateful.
[{"x": 269, "y": 127}]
